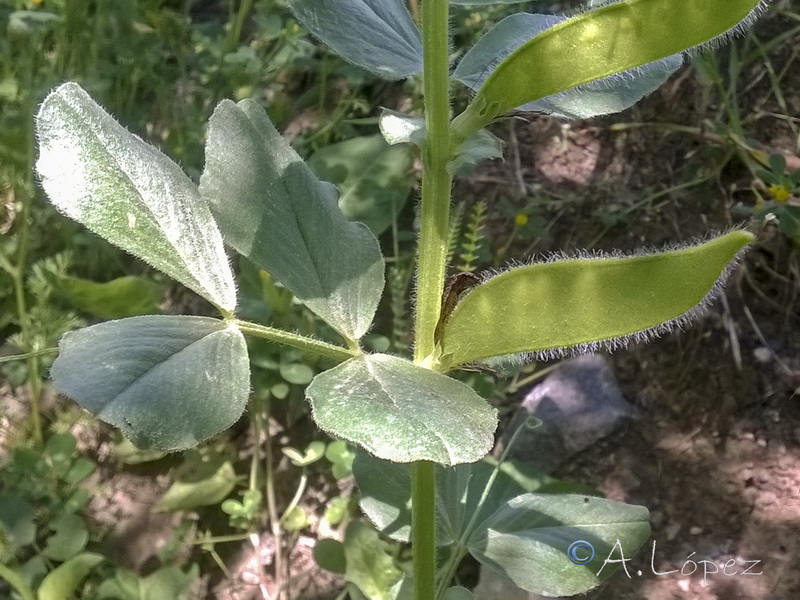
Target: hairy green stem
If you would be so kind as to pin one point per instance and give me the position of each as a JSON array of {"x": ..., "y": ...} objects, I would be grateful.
[
  {"x": 296, "y": 340},
  {"x": 431, "y": 265},
  {"x": 436, "y": 178},
  {"x": 423, "y": 529}
]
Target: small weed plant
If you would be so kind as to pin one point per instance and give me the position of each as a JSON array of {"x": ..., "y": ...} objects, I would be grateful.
[{"x": 170, "y": 382}]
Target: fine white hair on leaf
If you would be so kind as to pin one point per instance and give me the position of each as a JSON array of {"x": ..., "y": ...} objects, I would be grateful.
[
  {"x": 738, "y": 31},
  {"x": 620, "y": 342},
  {"x": 629, "y": 76}
]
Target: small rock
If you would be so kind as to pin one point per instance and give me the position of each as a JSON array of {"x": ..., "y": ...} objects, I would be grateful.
[
  {"x": 578, "y": 405},
  {"x": 761, "y": 442},
  {"x": 762, "y": 355},
  {"x": 695, "y": 530}
]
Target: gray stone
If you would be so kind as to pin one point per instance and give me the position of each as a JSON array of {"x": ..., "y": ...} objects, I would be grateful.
[{"x": 578, "y": 404}]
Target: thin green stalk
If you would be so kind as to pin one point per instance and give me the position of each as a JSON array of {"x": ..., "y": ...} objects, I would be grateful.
[
  {"x": 272, "y": 506},
  {"x": 28, "y": 355},
  {"x": 436, "y": 178},
  {"x": 18, "y": 277},
  {"x": 235, "y": 35},
  {"x": 219, "y": 539},
  {"x": 298, "y": 494},
  {"x": 296, "y": 340},
  {"x": 255, "y": 408},
  {"x": 431, "y": 265},
  {"x": 423, "y": 529}
]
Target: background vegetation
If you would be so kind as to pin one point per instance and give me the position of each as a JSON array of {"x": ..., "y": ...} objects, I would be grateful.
[{"x": 240, "y": 516}]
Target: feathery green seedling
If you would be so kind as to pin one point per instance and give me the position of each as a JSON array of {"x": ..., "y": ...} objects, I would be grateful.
[
  {"x": 171, "y": 381},
  {"x": 474, "y": 238}
]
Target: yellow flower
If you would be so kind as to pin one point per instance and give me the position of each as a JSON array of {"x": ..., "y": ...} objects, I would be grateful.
[
  {"x": 521, "y": 219},
  {"x": 779, "y": 192}
]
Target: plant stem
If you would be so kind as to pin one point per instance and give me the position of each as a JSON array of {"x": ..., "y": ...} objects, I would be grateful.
[
  {"x": 298, "y": 494},
  {"x": 219, "y": 539},
  {"x": 431, "y": 265},
  {"x": 423, "y": 534},
  {"x": 436, "y": 178},
  {"x": 272, "y": 506},
  {"x": 28, "y": 355},
  {"x": 296, "y": 340},
  {"x": 235, "y": 34},
  {"x": 18, "y": 277}
]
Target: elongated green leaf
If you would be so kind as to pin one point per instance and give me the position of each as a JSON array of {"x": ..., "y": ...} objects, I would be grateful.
[
  {"x": 96, "y": 172},
  {"x": 556, "y": 545},
  {"x": 604, "y": 96},
  {"x": 122, "y": 297},
  {"x": 64, "y": 579},
  {"x": 374, "y": 178},
  {"x": 167, "y": 382},
  {"x": 578, "y": 303},
  {"x": 272, "y": 209},
  {"x": 378, "y": 35},
  {"x": 402, "y": 412},
  {"x": 611, "y": 39}
]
